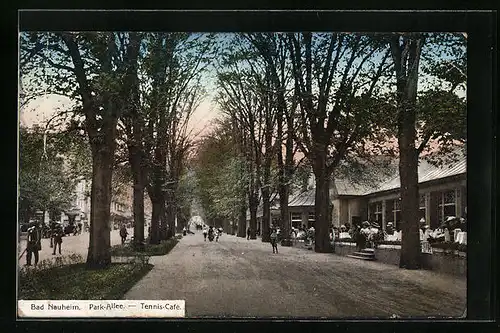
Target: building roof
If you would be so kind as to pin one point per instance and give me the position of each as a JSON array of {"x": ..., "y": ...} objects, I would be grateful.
[
  {"x": 344, "y": 187},
  {"x": 426, "y": 172},
  {"x": 303, "y": 199}
]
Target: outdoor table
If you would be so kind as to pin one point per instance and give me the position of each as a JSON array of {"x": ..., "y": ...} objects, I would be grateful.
[
  {"x": 461, "y": 238},
  {"x": 344, "y": 235}
]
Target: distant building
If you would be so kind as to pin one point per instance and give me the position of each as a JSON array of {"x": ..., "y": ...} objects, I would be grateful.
[{"x": 120, "y": 210}]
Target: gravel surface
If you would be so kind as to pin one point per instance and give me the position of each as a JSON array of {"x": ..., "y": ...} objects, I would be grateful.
[{"x": 240, "y": 278}]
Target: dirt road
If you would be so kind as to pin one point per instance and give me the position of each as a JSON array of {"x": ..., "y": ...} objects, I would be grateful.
[{"x": 240, "y": 278}]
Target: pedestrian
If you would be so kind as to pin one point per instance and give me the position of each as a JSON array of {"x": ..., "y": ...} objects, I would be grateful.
[
  {"x": 217, "y": 233},
  {"x": 58, "y": 238},
  {"x": 211, "y": 233},
  {"x": 53, "y": 226},
  {"x": 248, "y": 233},
  {"x": 205, "y": 233},
  {"x": 123, "y": 233},
  {"x": 274, "y": 240},
  {"x": 34, "y": 244}
]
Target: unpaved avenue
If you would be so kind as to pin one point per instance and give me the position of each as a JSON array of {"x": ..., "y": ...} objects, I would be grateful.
[{"x": 241, "y": 278}]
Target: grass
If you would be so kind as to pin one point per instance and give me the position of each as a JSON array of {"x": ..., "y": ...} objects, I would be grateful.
[
  {"x": 71, "y": 279},
  {"x": 161, "y": 249}
]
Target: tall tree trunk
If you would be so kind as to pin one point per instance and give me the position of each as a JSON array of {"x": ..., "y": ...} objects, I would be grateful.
[
  {"x": 322, "y": 203},
  {"x": 139, "y": 221},
  {"x": 288, "y": 170},
  {"x": 138, "y": 198},
  {"x": 170, "y": 214},
  {"x": 242, "y": 219},
  {"x": 406, "y": 67},
  {"x": 408, "y": 172},
  {"x": 253, "y": 205},
  {"x": 99, "y": 255},
  {"x": 158, "y": 206},
  {"x": 154, "y": 233},
  {"x": 266, "y": 213}
]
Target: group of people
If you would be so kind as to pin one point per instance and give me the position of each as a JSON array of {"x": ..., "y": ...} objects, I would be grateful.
[
  {"x": 34, "y": 240},
  {"x": 212, "y": 233}
]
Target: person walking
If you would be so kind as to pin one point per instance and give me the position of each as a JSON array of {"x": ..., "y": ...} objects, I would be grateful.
[
  {"x": 205, "y": 233},
  {"x": 34, "y": 244},
  {"x": 248, "y": 233},
  {"x": 274, "y": 240},
  {"x": 123, "y": 233},
  {"x": 58, "y": 238}
]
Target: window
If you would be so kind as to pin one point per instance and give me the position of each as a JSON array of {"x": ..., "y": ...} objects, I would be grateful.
[
  {"x": 389, "y": 207},
  {"x": 422, "y": 207},
  {"x": 447, "y": 205},
  {"x": 376, "y": 212},
  {"x": 396, "y": 212},
  {"x": 296, "y": 219},
  {"x": 310, "y": 220}
]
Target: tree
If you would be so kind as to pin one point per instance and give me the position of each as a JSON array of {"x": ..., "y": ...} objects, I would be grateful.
[
  {"x": 335, "y": 76},
  {"x": 218, "y": 170},
  {"x": 45, "y": 182},
  {"x": 437, "y": 114},
  {"x": 272, "y": 48},
  {"x": 88, "y": 68},
  {"x": 172, "y": 66}
]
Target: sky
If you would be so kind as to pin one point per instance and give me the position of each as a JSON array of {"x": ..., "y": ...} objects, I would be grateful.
[{"x": 39, "y": 111}]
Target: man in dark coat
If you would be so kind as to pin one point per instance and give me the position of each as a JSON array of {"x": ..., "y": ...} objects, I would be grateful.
[
  {"x": 34, "y": 244},
  {"x": 58, "y": 238},
  {"x": 123, "y": 233}
]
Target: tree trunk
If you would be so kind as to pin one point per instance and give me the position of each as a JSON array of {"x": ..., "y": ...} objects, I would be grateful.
[
  {"x": 138, "y": 199},
  {"x": 242, "y": 220},
  {"x": 154, "y": 233},
  {"x": 322, "y": 203},
  {"x": 170, "y": 214},
  {"x": 408, "y": 171},
  {"x": 266, "y": 214},
  {"x": 406, "y": 68},
  {"x": 138, "y": 208},
  {"x": 158, "y": 204},
  {"x": 284, "y": 212},
  {"x": 99, "y": 255},
  {"x": 253, "y": 205}
]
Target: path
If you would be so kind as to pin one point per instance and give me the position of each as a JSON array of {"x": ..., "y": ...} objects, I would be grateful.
[{"x": 241, "y": 278}]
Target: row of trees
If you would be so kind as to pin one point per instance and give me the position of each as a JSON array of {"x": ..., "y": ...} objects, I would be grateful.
[
  {"x": 134, "y": 94},
  {"x": 335, "y": 97}
]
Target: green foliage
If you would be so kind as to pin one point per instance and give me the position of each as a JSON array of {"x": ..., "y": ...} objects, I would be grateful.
[
  {"x": 69, "y": 278},
  {"x": 45, "y": 180},
  {"x": 221, "y": 175}
]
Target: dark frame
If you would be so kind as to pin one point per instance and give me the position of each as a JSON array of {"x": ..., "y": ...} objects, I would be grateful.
[{"x": 480, "y": 27}]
